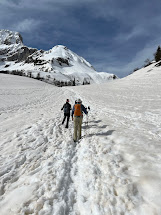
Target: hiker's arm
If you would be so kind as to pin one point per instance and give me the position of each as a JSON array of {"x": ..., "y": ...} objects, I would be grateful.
[
  {"x": 73, "y": 110},
  {"x": 84, "y": 109},
  {"x": 62, "y": 107}
]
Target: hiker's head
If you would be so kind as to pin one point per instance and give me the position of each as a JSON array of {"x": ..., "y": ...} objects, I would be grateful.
[
  {"x": 67, "y": 100},
  {"x": 75, "y": 101},
  {"x": 79, "y": 101}
]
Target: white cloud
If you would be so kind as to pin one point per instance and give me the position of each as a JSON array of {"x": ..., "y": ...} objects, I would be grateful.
[
  {"x": 10, "y": 3},
  {"x": 135, "y": 32},
  {"x": 27, "y": 25},
  {"x": 141, "y": 56},
  {"x": 109, "y": 63},
  {"x": 136, "y": 62},
  {"x": 44, "y": 5}
]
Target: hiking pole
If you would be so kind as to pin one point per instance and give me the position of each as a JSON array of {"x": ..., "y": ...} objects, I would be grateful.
[
  {"x": 87, "y": 119},
  {"x": 87, "y": 114}
]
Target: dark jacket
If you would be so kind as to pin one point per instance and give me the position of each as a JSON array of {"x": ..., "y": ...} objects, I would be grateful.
[{"x": 67, "y": 108}]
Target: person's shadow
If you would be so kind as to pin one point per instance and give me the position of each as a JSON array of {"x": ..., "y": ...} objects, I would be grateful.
[
  {"x": 94, "y": 124},
  {"x": 107, "y": 133}
]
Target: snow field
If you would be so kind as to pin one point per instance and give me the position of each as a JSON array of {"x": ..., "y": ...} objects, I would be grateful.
[{"x": 110, "y": 171}]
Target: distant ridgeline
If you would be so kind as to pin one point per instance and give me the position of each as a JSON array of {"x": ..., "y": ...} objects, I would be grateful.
[{"x": 59, "y": 66}]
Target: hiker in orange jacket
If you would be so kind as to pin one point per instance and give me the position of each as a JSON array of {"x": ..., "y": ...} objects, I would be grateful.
[{"x": 77, "y": 111}]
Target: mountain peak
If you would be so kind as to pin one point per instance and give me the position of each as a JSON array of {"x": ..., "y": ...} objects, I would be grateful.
[
  {"x": 60, "y": 47},
  {"x": 10, "y": 37}
]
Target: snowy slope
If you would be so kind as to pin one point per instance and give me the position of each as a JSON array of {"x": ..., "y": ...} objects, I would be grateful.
[
  {"x": 59, "y": 66},
  {"x": 115, "y": 169}
]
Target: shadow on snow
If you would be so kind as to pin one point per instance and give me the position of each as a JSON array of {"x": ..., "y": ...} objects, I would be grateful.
[{"x": 107, "y": 133}]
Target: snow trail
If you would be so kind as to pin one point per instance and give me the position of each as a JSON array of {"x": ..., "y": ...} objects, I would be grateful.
[{"x": 66, "y": 178}]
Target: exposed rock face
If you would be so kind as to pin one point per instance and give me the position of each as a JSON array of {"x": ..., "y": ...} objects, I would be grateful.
[
  {"x": 59, "y": 65},
  {"x": 21, "y": 54},
  {"x": 12, "y": 48},
  {"x": 3, "y": 51},
  {"x": 62, "y": 60}
]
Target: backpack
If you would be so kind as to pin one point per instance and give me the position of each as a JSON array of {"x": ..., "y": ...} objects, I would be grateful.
[
  {"x": 77, "y": 110},
  {"x": 67, "y": 108}
]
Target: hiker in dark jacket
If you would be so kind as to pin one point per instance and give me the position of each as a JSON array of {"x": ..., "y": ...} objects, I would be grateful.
[{"x": 67, "y": 108}]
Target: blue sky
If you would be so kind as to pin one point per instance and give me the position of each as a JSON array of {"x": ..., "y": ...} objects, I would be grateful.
[{"x": 115, "y": 36}]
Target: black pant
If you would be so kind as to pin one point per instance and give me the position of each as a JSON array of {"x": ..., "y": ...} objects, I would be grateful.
[{"x": 68, "y": 116}]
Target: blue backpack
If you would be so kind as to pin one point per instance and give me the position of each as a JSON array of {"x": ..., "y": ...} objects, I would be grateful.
[{"x": 67, "y": 108}]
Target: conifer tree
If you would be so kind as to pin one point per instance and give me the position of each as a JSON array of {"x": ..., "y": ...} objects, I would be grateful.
[
  {"x": 74, "y": 82},
  {"x": 157, "y": 55}
]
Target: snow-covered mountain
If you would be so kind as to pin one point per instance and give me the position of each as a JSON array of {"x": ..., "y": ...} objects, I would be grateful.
[{"x": 59, "y": 65}]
